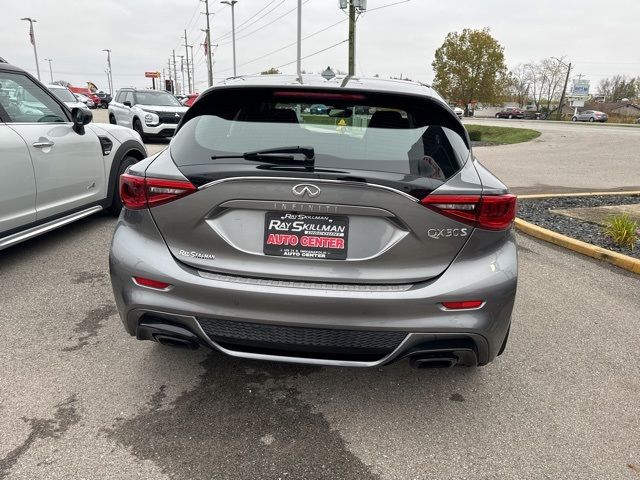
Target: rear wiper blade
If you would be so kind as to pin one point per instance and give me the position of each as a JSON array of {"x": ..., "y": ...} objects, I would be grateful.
[{"x": 276, "y": 155}]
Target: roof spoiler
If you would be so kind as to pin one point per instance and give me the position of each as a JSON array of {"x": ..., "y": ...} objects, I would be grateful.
[{"x": 2, "y": 60}]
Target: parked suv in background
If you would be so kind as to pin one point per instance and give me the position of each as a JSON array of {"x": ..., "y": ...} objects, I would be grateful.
[
  {"x": 510, "y": 112},
  {"x": 66, "y": 96},
  {"x": 56, "y": 166},
  {"x": 105, "y": 98},
  {"x": 269, "y": 236},
  {"x": 87, "y": 93},
  {"x": 151, "y": 113}
]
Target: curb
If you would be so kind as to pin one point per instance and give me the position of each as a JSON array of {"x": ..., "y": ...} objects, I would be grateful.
[
  {"x": 623, "y": 261},
  {"x": 539, "y": 196}
]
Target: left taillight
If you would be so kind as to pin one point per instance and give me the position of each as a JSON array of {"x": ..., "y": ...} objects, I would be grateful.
[
  {"x": 140, "y": 192},
  {"x": 490, "y": 212}
]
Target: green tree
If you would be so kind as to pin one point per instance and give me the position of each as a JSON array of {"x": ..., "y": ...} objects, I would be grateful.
[{"x": 470, "y": 66}]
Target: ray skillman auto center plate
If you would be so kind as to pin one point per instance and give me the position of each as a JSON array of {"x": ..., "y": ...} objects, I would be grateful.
[{"x": 306, "y": 236}]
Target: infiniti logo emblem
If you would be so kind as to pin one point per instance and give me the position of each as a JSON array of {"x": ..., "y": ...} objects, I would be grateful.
[{"x": 303, "y": 189}]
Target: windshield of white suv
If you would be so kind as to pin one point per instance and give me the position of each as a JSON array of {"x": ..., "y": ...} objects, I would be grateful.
[
  {"x": 64, "y": 95},
  {"x": 161, "y": 99}
]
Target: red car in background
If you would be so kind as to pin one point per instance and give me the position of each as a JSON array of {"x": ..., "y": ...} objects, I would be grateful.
[
  {"x": 191, "y": 98},
  {"x": 510, "y": 112},
  {"x": 88, "y": 93}
]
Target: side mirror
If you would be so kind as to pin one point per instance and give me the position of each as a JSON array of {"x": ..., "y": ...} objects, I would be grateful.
[
  {"x": 81, "y": 117},
  {"x": 127, "y": 103}
]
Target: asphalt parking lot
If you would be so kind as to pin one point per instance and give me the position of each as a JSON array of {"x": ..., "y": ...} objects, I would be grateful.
[{"x": 81, "y": 399}]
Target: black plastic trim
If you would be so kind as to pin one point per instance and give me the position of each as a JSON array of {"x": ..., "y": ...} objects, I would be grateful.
[{"x": 125, "y": 148}]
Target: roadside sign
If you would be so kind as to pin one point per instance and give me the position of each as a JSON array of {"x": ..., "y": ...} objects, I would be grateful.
[
  {"x": 328, "y": 74},
  {"x": 580, "y": 88},
  {"x": 152, "y": 74}
]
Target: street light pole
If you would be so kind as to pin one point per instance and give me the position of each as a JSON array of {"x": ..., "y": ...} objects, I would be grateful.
[
  {"x": 186, "y": 52},
  {"x": 110, "y": 75},
  {"x": 352, "y": 38},
  {"x": 50, "y": 70},
  {"x": 299, "y": 52},
  {"x": 32, "y": 36},
  {"x": 193, "y": 69},
  {"x": 208, "y": 45},
  {"x": 232, "y": 3}
]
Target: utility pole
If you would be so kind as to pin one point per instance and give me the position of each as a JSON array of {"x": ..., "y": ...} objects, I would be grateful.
[
  {"x": 50, "y": 70},
  {"x": 299, "y": 53},
  {"x": 566, "y": 82},
  {"x": 193, "y": 70},
  {"x": 169, "y": 72},
  {"x": 186, "y": 51},
  {"x": 352, "y": 38},
  {"x": 175, "y": 74},
  {"x": 208, "y": 45},
  {"x": 182, "y": 73},
  {"x": 232, "y": 4},
  {"x": 32, "y": 36},
  {"x": 110, "y": 76}
]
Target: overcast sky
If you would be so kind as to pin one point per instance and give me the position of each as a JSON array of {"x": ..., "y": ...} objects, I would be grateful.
[{"x": 601, "y": 39}]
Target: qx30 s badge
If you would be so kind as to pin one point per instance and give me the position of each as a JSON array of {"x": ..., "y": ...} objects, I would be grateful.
[
  {"x": 437, "y": 233},
  {"x": 308, "y": 189}
]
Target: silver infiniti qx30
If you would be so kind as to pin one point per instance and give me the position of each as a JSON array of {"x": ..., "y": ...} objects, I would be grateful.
[{"x": 357, "y": 236}]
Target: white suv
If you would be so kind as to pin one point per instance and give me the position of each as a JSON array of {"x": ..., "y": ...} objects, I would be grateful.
[{"x": 151, "y": 113}]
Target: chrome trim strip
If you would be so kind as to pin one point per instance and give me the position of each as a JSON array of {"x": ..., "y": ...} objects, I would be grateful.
[
  {"x": 304, "y": 284},
  {"x": 307, "y": 207},
  {"x": 46, "y": 227},
  {"x": 296, "y": 179}
]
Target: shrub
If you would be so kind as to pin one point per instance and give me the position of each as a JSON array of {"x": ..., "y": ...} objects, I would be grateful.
[{"x": 622, "y": 230}]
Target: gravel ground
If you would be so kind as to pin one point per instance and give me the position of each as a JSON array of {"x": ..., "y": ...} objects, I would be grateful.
[{"x": 539, "y": 213}]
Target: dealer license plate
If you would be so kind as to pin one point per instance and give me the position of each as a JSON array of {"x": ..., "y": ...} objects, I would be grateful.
[{"x": 306, "y": 236}]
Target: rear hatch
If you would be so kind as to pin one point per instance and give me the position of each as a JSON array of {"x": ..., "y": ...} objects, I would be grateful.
[{"x": 350, "y": 212}]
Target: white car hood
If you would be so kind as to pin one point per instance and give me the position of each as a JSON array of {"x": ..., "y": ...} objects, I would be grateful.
[
  {"x": 158, "y": 108},
  {"x": 120, "y": 134}
]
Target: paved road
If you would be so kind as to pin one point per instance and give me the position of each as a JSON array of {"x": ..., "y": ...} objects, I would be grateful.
[
  {"x": 567, "y": 157},
  {"x": 81, "y": 399}
]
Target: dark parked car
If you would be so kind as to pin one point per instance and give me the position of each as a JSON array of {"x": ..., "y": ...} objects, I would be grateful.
[
  {"x": 318, "y": 109},
  {"x": 105, "y": 98},
  {"x": 510, "y": 112},
  {"x": 266, "y": 238}
]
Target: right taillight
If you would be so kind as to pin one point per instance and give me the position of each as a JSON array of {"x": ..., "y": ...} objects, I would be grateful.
[
  {"x": 140, "y": 192},
  {"x": 490, "y": 212}
]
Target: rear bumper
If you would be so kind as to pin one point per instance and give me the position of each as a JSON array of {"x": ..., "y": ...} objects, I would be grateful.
[{"x": 484, "y": 270}]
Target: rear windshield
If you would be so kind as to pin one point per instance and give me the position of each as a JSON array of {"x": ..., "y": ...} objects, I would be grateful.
[{"x": 355, "y": 131}]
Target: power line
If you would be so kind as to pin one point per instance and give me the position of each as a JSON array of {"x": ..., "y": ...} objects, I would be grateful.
[
  {"x": 311, "y": 54},
  {"x": 244, "y": 26},
  {"x": 287, "y": 46},
  {"x": 266, "y": 24}
]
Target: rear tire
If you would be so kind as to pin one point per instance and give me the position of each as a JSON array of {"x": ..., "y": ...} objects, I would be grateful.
[
  {"x": 510, "y": 117},
  {"x": 574, "y": 119},
  {"x": 592, "y": 119},
  {"x": 497, "y": 115},
  {"x": 116, "y": 203},
  {"x": 137, "y": 126},
  {"x": 112, "y": 120}
]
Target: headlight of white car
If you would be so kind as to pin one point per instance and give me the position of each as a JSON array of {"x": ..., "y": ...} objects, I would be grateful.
[{"x": 151, "y": 119}]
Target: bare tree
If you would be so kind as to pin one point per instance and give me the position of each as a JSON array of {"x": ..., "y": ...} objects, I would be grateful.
[
  {"x": 541, "y": 81},
  {"x": 64, "y": 83},
  {"x": 520, "y": 84},
  {"x": 618, "y": 87}
]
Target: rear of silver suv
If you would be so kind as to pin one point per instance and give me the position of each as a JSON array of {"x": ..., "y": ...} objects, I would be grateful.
[{"x": 357, "y": 237}]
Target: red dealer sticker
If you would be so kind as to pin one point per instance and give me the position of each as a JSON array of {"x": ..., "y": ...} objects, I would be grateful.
[{"x": 306, "y": 236}]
